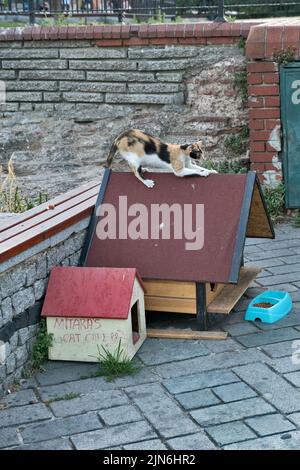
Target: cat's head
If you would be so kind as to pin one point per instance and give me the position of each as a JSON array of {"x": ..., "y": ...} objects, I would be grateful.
[{"x": 195, "y": 151}]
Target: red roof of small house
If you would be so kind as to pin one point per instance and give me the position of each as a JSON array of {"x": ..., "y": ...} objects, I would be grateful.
[{"x": 90, "y": 292}]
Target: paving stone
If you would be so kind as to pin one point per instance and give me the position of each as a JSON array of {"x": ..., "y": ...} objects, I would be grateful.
[
  {"x": 222, "y": 346},
  {"x": 284, "y": 287},
  {"x": 120, "y": 415},
  {"x": 280, "y": 279},
  {"x": 200, "y": 381},
  {"x": 28, "y": 383},
  {"x": 114, "y": 436},
  {"x": 214, "y": 361},
  {"x": 270, "y": 424},
  {"x": 234, "y": 392},
  {"x": 230, "y": 432},
  {"x": 9, "y": 437},
  {"x": 87, "y": 386},
  {"x": 294, "y": 378},
  {"x": 79, "y": 386},
  {"x": 285, "y": 364},
  {"x": 170, "y": 350},
  {"x": 197, "y": 399},
  {"x": 265, "y": 263},
  {"x": 268, "y": 337},
  {"x": 295, "y": 418},
  {"x": 273, "y": 387},
  {"x": 278, "y": 350},
  {"x": 163, "y": 413},
  {"x": 285, "y": 269},
  {"x": 72, "y": 371},
  {"x": 242, "y": 328},
  {"x": 231, "y": 411},
  {"x": 154, "y": 444},
  {"x": 285, "y": 441},
  {"x": 91, "y": 402},
  {"x": 60, "y": 428},
  {"x": 24, "y": 397},
  {"x": 293, "y": 319},
  {"x": 267, "y": 254},
  {"x": 26, "y": 414},
  {"x": 290, "y": 259},
  {"x": 198, "y": 441},
  {"x": 53, "y": 444}
]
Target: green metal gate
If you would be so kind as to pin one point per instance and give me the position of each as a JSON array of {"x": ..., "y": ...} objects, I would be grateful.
[{"x": 290, "y": 115}]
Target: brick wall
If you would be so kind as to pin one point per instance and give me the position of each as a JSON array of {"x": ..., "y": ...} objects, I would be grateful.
[{"x": 264, "y": 95}]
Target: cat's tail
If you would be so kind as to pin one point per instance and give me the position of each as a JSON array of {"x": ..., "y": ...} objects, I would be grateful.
[{"x": 112, "y": 151}]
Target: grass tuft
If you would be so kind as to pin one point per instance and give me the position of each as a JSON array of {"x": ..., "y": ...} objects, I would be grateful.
[{"x": 113, "y": 365}]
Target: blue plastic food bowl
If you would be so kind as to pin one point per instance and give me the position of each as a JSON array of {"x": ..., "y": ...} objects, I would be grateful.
[{"x": 281, "y": 305}]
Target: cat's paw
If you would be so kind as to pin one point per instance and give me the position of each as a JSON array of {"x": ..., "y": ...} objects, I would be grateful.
[
  {"x": 149, "y": 183},
  {"x": 213, "y": 172},
  {"x": 204, "y": 173}
]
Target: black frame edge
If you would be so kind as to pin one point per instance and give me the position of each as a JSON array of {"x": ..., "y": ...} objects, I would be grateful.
[
  {"x": 201, "y": 317},
  {"x": 93, "y": 221},
  {"x": 242, "y": 228}
]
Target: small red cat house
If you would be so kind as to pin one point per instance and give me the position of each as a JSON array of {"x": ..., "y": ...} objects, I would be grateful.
[{"x": 87, "y": 308}]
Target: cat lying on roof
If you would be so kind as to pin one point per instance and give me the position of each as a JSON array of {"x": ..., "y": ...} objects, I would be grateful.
[{"x": 141, "y": 149}]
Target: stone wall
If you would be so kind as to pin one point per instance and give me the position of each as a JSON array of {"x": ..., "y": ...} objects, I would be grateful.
[
  {"x": 23, "y": 281},
  {"x": 70, "y": 91}
]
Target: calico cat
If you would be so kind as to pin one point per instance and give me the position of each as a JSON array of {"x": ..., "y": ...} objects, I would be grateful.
[{"x": 141, "y": 149}]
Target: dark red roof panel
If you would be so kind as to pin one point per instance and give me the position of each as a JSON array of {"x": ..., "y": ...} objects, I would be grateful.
[
  {"x": 89, "y": 292},
  {"x": 223, "y": 199}
]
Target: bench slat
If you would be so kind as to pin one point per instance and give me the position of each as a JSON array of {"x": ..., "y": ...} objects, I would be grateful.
[
  {"x": 23, "y": 226},
  {"x": 42, "y": 208},
  {"x": 39, "y": 233}
]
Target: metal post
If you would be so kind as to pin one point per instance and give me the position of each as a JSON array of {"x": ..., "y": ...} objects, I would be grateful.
[
  {"x": 220, "y": 17},
  {"x": 31, "y": 6}
]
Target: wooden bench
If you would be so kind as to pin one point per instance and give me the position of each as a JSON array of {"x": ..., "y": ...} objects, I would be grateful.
[{"x": 25, "y": 230}]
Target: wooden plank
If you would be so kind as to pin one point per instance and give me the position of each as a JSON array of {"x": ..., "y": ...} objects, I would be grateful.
[
  {"x": 47, "y": 215},
  {"x": 258, "y": 223},
  {"x": 37, "y": 234},
  {"x": 231, "y": 293},
  {"x": 158, "y": 288},
  {"x": 212, "y": 294},
  {"x": 35, "y": 211},
  {"x": 186, "y": 334},
  {"x": 170, "y": 304}
]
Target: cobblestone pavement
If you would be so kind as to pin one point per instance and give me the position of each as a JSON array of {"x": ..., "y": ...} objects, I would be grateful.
[{"x": 242, "y": 393}]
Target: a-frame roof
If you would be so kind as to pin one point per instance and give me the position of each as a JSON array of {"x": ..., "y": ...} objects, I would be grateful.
[
  {"x": 233, "y": 209},
  {"x": 89, "y": 292}
]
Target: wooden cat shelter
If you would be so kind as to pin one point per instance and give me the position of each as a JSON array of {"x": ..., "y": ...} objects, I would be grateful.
[{"x": 197, "y": 282}]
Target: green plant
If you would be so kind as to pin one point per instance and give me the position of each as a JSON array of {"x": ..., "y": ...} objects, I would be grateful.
[
  {"x": 225, "y": 166},
  {"x": 240, "y": 82},
  {"x": 11, "y": 198},
  {"x": 242, "y": 43},
  {"x": 231, "y": 19},
  {"x": 236, "y": 143},
  {"x": 274, "y": 197},
  {"x": 40, "y": 348},
  {"x": 297, "y": 219},
  {"x": 117, "y": 364},
  {"x": 178, "y": 19},
  {"x": 67, "y": 396},
  {"x": 284, "y": 56}
]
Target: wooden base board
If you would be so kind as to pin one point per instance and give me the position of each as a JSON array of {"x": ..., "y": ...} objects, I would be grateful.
[
  {"x": 180, "y": 297},
  {"x": 231, "y": 293},
  {"x": 185, "y": 334}
]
